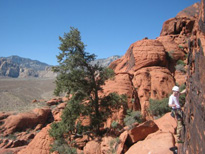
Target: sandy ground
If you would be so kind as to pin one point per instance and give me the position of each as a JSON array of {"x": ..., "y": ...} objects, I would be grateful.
[{"x": 17, "y": 94}]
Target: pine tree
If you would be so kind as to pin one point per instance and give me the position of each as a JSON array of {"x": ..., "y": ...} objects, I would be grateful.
[{"x": 83, "y": 81}]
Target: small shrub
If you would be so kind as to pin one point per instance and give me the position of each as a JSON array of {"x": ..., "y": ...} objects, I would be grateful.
[
  {"x": 114, "y": 124},
  {"x": 181, "y": 47},
  {"x": 159, "y": 107},
  {"x": 12, "y": 136},
  {"x": 181, "y": 62},
  {"x": 180, "y": 68},
  {"x": 62, "y": 147},
  {"x": 113, "y": 145},
  {"x": 170, "y": 54},
  {"x": 132, "y": 117}
]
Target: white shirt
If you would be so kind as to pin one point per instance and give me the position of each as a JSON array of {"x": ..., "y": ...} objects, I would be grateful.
[{"x": 174, "y": 100}]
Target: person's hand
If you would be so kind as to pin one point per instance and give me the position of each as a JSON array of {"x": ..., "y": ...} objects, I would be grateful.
[{"x": 174, "y": 105}]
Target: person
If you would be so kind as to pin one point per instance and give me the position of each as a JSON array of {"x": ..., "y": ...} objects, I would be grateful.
[{"x": 176, "y": 110}]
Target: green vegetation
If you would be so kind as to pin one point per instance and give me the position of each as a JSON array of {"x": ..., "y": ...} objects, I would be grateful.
[
  {"x": 132, "y": 117},
  {"x": 170, "y": 54},
  {"x": 62, "y": 147},
  {"x": 12, "y": 137},
  {"x": 83, "y": 81},
  {"x": 180, "y": 62},
  {"x": 114, "y": 124},
  {"x": 113, "y": 145},
  {"x": 181, "y": 47},
  {"x": 159, "y": 107},
  {"x": 182, "y": 97},
  {"x": 180, "y": 66}
]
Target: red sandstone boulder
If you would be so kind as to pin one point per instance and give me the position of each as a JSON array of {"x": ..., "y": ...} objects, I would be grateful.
[
  {"x": 57, "y": 112},
  {"x": 54, "y": 101},
  {"x": 92, "y": 147},
  {"x": 108, "y": 145},
  {"x": 166, "y": 123},
  {"x": 26, "y": 136},
  {"x": 121, "y": 148},
  {"x": 23, "y": 121},
  {"x": 40, "y": 144},
  {"x": 141, "y": 54},
  {"x": 4, "y": 115},
  {"x": 142, "y": 131},
  {"x": 179, "y": 25},
  {"x": 11, "y": 150},
  {"x": 156, "y": 143},
  {"x": 174, "y": 49}
]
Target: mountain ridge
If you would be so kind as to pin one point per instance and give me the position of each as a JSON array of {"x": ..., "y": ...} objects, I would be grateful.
[{"x": 19, "y": 67}]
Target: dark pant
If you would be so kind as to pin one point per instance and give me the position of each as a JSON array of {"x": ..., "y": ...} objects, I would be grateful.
[{"x": 177, "y": 113}]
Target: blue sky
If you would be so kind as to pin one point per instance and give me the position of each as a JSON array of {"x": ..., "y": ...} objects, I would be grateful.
[{"x": 31, "y": 28}]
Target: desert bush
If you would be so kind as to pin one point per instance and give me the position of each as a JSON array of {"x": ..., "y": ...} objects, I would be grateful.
[
  {"x": 170, "y": 54},
  {"x": 181, "y": 62},
  {"x": 159, "y": 107},
  {"x": 180, "y": 66},
  {"x": 114, "y": 124},
  {"x": 63, "y": 148},
  {"x": 181, "y": 47},
  {"x": 12, "y": 137},
  {"x": 132, "y": 117},
  {"x": 113, "y": 145}
]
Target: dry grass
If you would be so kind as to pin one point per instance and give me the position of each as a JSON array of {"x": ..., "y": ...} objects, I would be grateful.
[{"x": 17, "y": 94}]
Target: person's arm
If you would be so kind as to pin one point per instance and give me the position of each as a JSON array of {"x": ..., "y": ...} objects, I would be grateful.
[{"x": 183, "y": 92}]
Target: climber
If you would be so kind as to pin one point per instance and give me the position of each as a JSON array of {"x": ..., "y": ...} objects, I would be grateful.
[{"x": 176, "y": 110}]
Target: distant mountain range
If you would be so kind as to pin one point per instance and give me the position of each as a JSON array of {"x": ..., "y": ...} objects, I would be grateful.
[{"x": 19, "y": 67}]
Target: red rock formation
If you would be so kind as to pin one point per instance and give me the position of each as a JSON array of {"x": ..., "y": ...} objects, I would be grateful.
[
  {"x": 179, "y": 25},
  {"x": 108, "y": 145},
  {"x": 141, "y": 54},
  {"x": 194, "y": 109},
  {"x": 159, "y": 143},
  {"x": 190, "y": 12},
  {"x": 166, "y": 123},
  {"x": 122, "y": 84},
  {"x": 57, "y": 112},
  {"x": 40, "y": 144},
  {"x": 11, "y": 150},
  {"x": 92, "y": 147},
  {"x": 141, "y": 131},
  {"x": 152, "y": 82},
  {"x": 54, "y": 101},
  {"x": 4, "y": 115},
  {"x": 122, "y": 148},
  {"x": 23, "y": 121}
]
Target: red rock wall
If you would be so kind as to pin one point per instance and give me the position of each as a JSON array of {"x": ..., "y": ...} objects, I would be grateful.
[{"x": 194, "y": 134}]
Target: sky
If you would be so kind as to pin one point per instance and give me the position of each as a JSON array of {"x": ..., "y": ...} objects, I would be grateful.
[{"x": 31, "y": 28}]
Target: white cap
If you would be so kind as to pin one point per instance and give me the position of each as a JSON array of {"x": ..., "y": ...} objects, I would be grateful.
[{"x": 175, "y": 88}]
